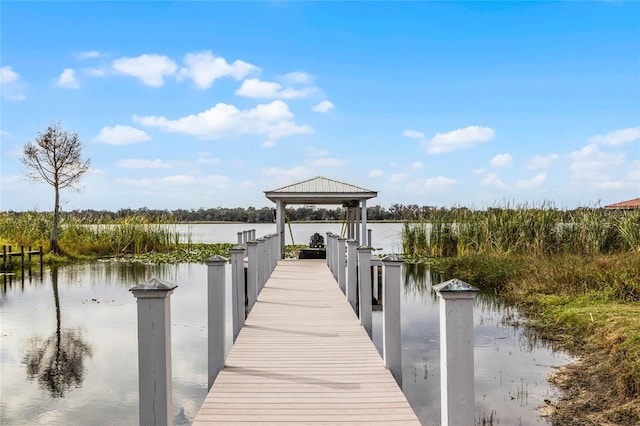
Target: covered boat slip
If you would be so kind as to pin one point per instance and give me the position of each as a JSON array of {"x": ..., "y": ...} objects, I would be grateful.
[
  {"x": 302, "y": 357},
  {"x": 323, "y": 191}
]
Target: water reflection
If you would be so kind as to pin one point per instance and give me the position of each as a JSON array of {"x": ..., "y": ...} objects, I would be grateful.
[{"x": 58, "y": 361}]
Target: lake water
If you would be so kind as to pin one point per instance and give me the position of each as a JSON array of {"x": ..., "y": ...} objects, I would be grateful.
[{"x": 68, "y": 344}]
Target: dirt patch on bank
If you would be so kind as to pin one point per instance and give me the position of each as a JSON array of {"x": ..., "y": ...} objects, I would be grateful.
[{"x": 588, "y": 395}]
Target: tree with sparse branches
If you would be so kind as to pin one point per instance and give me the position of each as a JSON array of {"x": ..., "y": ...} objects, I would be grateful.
[{"x": 54, "y": 157}]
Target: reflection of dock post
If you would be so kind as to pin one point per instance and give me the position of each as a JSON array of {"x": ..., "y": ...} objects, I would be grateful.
[
  {"x": 352, "y": 273},
  {"x": 154, "y": 352},
  {"x": 342, "y": 264},
  {"x": 252, "y": 273},
  {"x": 215, "y": 315},
  {"x": 237, "y": 289},
  {"x": 391, "y": 332},
  {"x": 456, "y": 352},
  {"x": 364, "y": 286}
]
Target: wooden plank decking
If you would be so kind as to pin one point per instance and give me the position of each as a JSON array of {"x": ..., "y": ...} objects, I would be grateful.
[{"x": 303, "y": 358}]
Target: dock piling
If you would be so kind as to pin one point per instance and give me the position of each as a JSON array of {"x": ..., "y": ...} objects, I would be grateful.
[{"x": 215, "y": 315}]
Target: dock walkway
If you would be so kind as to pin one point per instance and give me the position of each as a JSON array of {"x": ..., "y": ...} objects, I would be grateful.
[{"x": 303, "y": 358}]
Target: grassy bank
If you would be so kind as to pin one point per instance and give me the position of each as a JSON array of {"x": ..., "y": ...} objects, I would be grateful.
[{"x": 588, "y": 305}]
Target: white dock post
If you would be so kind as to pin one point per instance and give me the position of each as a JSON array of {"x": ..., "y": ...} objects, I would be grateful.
[
  {"x": 342, "y": 264},
  {"x": 252, "y": 273},
  {"x": 154, "y": 352},
  {"x": 239, "y": 237},
  {"x": 237, "y": 289},
  {"x": 352, "y": 274},
  {"x": 364, "y": 282},
  {"x": 391, "y": 330},
  {"x": 328, "y": 249},
  {"x": 276, "y": 252},
  {"x": 267, "y": 257},
  {"x": 215, "y": 315},
  {"x": 336, "y": 254},
  {"x": 456, "y": 352},
  {"x": 260, "y": 264}
]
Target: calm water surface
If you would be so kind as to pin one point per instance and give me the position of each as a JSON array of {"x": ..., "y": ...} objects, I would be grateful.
[{"x": 68, "y": 344}]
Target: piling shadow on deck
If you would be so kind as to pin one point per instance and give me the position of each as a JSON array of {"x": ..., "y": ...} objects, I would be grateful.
[{"x": 303, "y": 358}]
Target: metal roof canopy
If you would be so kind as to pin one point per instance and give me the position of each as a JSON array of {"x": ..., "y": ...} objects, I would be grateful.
[{"x": 320, "y": 190}]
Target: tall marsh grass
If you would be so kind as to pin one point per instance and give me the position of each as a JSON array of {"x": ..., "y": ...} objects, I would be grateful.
[
  {"x": 130, "y": 235},
  {"x": 541, "y": 230}
]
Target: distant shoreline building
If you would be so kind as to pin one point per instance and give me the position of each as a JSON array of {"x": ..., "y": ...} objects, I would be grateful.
[{"x": 625, "y": 205}]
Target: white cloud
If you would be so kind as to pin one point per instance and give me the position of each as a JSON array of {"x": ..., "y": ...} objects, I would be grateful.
[
  {"x": 141, "y": 163},
  {"x": 94, "y": 72},
  {"x": 218, "y": 181},
  {"x": 121, "y": 135},
  {"x": 150, "y": 69},
  {"x": 11, "y": 84},
  {"x": 416, "y": 165},
  {"x": 502, "y": 160},
  {"x": 458, "y": 139},
  {"x": 268, "y": 144},
  {"x": 491, "y": 179},
  {"x": 414, "y": 134},
  {"x": 534, "y": 182},
  {"x": 204, "y": 68},
  {"x": 478, "y": 171},
  {"x": 617, "y": 137},
  {"x": 258, "y": 89},
  {"x": 326, "y": 161},
  {"x": 595, "y": 167},
  {"x": 296, "y": 77},
  {"x": 439, "y": 182},
  {"x": 398, "y": 177},
  {"x": 224, "y": 120},
  {"x": 68, "y": 79},
  {"x": 89, "y": 54},
  {"x": 323, "y": 106},
  {"x": 540, "y": 161},
  {"x": 374, "y": 173}
]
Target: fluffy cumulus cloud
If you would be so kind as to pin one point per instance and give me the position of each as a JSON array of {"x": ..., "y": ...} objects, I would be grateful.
[
  {"x": 375, "y": 173},
  {"x": 617, "y": 137},
  {"x": 502, "y": 160},
  {"x": 121, "y": 135},
  {"x": 151, "y": 69},
  {"x": 296, "y": 77},
  {"x": 438, "y": 183},
  {"x": 541, "y": 161},
  {"x": 68, "y": 79},
  {"x": 11, "y": 84},
  {"x": 492, "y": 179},
  {"x": 534, "y": 182},
  {"x": 413, "y": 134},
  {"x": 458, "y": 139},
  {"x": 273, "y": 120},
  {"x": 142, "y": 163},
  {"x": 204, "y": 68},
  {"x": 258, "y": 89},
  {"x": 594, "y": 167},
  {"x": 323, "y": 106}
]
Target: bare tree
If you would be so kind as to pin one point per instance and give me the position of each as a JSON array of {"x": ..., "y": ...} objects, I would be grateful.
[{"x": 55, "y": 158}]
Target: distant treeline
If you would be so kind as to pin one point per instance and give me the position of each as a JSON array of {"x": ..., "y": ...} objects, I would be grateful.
[{"x": 396, "y": 212}]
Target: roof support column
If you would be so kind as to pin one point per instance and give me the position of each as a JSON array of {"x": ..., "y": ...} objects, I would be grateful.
[
  {"x": 280, "y": 212},
  {"x": 364, "y": 241}
]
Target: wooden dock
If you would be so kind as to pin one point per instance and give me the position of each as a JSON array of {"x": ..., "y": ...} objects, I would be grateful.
[{"x": 303, "y": 358}]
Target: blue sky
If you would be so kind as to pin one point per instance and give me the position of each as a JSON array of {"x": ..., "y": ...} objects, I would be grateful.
[{"x": 207, "y": 104}]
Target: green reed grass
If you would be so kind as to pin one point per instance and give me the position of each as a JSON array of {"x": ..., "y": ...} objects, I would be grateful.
[
  {"x": 131, "y": 235},
  {"x": 523, "y": 229}
]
